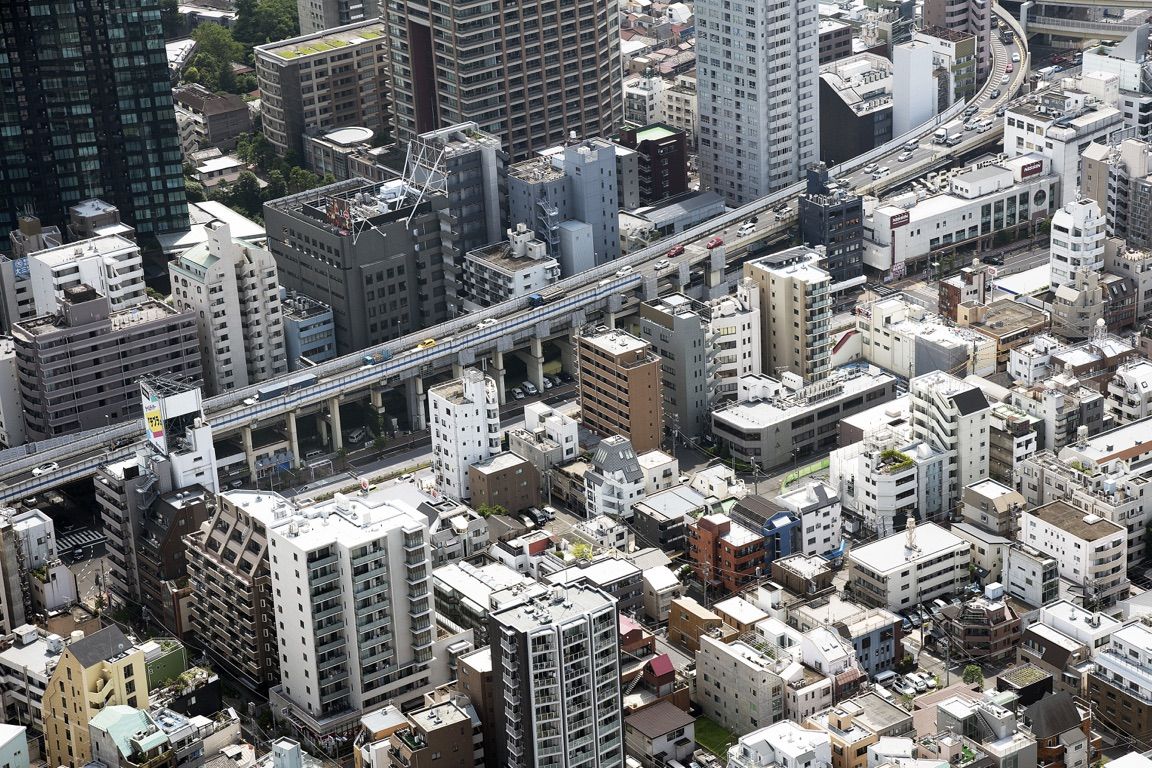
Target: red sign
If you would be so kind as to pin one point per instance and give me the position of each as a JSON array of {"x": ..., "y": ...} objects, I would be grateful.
[
  {"x": 899, "y": 220},
  {"x": 1032, "y": 169}
]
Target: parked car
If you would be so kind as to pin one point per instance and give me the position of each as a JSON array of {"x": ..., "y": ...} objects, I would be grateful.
[
  {"x": 545, "y": 382},
  {"x": 529, "y": 388},
  {"x": 517, "y": 393},
  {"x": 996, "y": 261},
  {"x": 566, "y": 377},
  {"x": 903, "y": 687}
]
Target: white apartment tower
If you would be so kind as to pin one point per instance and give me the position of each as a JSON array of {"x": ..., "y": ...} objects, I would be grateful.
[
  {"x": 758, "y": 79},
  {"x": 356, "y": 576},
  {"x": 1078, "y": 235},
  {"x": 952, "y": 416},
  {"x": 233, "y": 288},
  {"x": 556, "y": 665},
  {"x": 465, "y": 423}
]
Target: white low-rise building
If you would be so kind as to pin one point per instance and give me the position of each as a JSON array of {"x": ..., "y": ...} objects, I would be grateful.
[
  {"x": 907, "y": 340},
  {"x": 519, "y": 266},
  {"x": 614, "y": 480},
  {"x": 1078, "y": 235},
  {"x": 818, "y": 507},
  {"x": 1092, "y": 551},
  {"x": 784, "y": 745},
  {"x": 464, "y": 416},
  {"x": 979, "y": 202},
  {"x": 738, "y": 686},
  {"x": 1129, "y": 393},
  {"x": 111, "y": 264},
  {"x": 909, "y": 568}
]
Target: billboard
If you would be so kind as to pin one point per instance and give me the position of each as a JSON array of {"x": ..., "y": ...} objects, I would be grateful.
[
  {"x": 899, "y": 220},
  {"x": 153, "y": 418},
  {"x": 1031, "y": 169}
]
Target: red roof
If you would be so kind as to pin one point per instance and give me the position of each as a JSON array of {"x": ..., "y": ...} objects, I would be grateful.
[
  {"x": 627, "y": 625},
  {"x": 662, "y": 665}
]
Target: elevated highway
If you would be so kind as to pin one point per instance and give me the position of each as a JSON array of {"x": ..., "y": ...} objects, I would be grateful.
[{"x": 488, "y": 334}]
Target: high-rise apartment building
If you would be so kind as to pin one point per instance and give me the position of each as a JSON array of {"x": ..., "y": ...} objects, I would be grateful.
[
  {"x": 757, "y": 72},
  {"x": 952, "y": 416},
  {"x": 86, "y": 111},
  {"x": 233, "y": 614},
  {"x": 795, "y": 310},
  {"x": 464, "y": 416},
  {"x": 972, "y": 17},
  {"x": 321, "y": 81},
  {"x": 34, "y": 285},
  {"x": 556, "y": 669},
  {"x": 93, "y": 672},
  {"x": 372, "y": 252},
  {"x": 532, "y": 75},
  {"x": 468, "y": 167},
  {"x": 233, "y": 288},
  {"x": 706, "y": 347},
  {"x": 1078, "y": 236},
  {"x": 1119, "y": 179},
  {"x": 106, "y": 353},
  {"x": 568, "y": 197},
  {"x": 351, "y": 581},
  {"x": 620, "y": 389},
  {"x": 319, "y": 15}
]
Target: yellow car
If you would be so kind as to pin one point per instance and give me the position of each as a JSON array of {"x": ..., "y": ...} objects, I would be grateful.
[{"x": 426, "y": 344}]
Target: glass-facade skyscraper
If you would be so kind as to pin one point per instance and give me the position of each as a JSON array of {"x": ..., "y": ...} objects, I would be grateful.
[{"x": 86, "y": 111}]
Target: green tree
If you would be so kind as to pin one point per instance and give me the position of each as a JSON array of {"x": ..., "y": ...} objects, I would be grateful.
[
  {"x": 488, "y": 510},
  {"x": 972, "y": 674},
  {"x": 255, "y": 149},
  {"x": 301, "y": 179},
  {"x": 266, "y": 21},
  {"x": 277, "y": 187},
  {"x": 194, "y": 191},
  {"x": 216, "y": 42},
  {"x": 244, "y": 195}
]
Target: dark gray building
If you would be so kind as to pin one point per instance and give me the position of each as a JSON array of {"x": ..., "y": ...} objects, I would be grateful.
[
  {"x": 468, "y": 166},
  {"x": 371, "y": 251},
  {"x": 80, "y": 369},
  {"x": 834, "y": 218}
]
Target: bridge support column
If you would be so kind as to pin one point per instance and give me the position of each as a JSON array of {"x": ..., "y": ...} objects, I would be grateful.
[
  {"x": 416, "y": 404},
  {"x": 334, "y": 414},
  {"x": 497, "y": 374},
  {"x": 536, "y": 363},
  {"x": 249, "y": 451},
  {"x": 377, "y": 399},
  {"x": 293, "y": 440},
  {"x": 457, "y": 370}
]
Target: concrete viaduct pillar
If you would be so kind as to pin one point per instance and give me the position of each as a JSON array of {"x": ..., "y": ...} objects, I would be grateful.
[{"x": 415, "y": 387}]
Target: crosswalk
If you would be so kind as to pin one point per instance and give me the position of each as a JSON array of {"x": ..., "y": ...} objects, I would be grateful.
[{"x": 81, "y": 538}]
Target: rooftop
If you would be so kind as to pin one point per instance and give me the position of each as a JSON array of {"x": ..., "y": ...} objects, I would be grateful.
[
  {"x": 328, "y": 40},
  {"x": 761, "y": 413},
  {"x": 740, "y": 610},
  {"x": 1076, "y": 522},
  {"x": 106, "y": 245},
  {"x": 615, "y": 342},
  {"x": 1005, "y": 317},
  {"x": 565, "y": 603},
  {"x": 501, "y": 462},
  {"x": 673, "y": 503},
  {"x": 892, "y": 553},
  {"x": 658, "y": 719}
]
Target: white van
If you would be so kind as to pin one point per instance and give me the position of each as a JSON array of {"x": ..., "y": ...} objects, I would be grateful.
[
  {"x": 880, "y": 173},
  {"x": 884, "y": 678},
  {"x": 746, "y": 229}
]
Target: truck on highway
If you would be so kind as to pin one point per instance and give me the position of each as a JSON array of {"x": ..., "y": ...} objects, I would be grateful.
[
  {"x": 379, "y": 356},
  {"x": 536, "y": 300},
  {"x": 284, "y": 387},
  {"x": 947, "y": 131}
]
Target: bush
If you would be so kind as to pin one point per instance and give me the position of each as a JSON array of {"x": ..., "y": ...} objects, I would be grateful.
[{"x": 973, "y": 674}]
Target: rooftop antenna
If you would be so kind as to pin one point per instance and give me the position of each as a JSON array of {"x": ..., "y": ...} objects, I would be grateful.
[{"x": 910, "y": 534}]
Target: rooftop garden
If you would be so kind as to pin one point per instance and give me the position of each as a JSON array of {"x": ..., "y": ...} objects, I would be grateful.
[{"x": 892, "y": 461}]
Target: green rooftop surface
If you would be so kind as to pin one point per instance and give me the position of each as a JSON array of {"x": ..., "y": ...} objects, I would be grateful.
[{"x": 654, "y": 133}]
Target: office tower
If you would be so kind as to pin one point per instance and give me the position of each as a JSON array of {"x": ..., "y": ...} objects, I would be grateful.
[
  {"x": 568, "y": 196},
  {"x": 232, "y": 607},
  {"x": 856, "y": 106},
  {"x": 556, "y": 669},
  {"x": 372, "y": 252},
  {"x": 94, "y": 672},
  {"x": 351, "y": 584},
  {"x": 620, "y": 389},
  {"x": 86, "y": 111},
  {"x": 532, "y": 75},
  {"x": 706, "y": 347},
  {"x": 232, "y": 287},
  {"x": 33, "y": 284},
  {"x": 464, "y": 417},
  {"x": 757, "y": 73},
  {"x": 1078, "y": 237},
  {"x": 321, "y": 81},
  {"x": 833, "y": 216},
  {"x": 952, "y": 416},
  {"x": 149, "y": 502},
  {"x": 319, "y": 15},
  {"x": 468, "y": 167},
  {"x": 795, "y": 310},
  {"x": 107, "y": 352}
]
